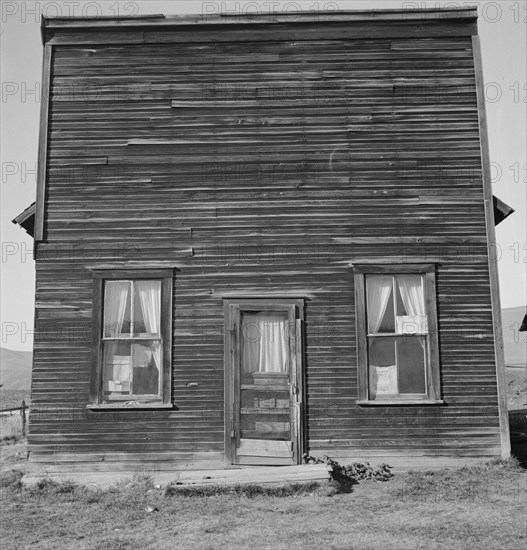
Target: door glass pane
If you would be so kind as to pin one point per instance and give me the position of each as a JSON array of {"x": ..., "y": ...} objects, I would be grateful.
[
  {"x": 411, "y": 362},
  {"x": 382, "y": 367},
  {"x": 264, "y": 376},
  {"x": 265, "y": 347},
  {"x": 265, "y": 414}
]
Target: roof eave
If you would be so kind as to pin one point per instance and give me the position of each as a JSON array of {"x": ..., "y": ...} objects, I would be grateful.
[
  {"x": 160, "y": 20},
  {"x": 26, "y": 219},
  {"x": 501, "y": 210}
]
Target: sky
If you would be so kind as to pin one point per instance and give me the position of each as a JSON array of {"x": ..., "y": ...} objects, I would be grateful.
[{"x": 502, "y": 28}]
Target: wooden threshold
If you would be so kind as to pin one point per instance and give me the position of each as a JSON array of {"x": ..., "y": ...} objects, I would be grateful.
[{"x": 231, "y": 476}]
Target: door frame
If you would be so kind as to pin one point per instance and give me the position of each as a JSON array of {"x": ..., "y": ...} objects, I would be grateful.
[{"x": 232, "y": 309}]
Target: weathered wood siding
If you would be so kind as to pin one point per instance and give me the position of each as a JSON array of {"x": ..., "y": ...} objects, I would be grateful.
[{"x": 264, "y": 160}]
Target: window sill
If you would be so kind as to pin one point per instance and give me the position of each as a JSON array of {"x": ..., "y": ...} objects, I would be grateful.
[
  {"x": 135, "y": 406},
  {"x": 384, "y": 402}
]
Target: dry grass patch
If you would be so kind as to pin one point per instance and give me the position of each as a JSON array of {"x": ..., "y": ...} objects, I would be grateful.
[{"x": 455, "y": 509}]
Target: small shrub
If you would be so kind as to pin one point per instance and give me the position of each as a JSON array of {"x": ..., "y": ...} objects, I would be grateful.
[
  {"x": 359, "y": 471},
  {"x": 91, "y": 497},
  {"x": 50, "y": 486},
  {"x": 142, "y": 480},
  {"x": 46, "y": 484},
  {"x": 66, "y": 487},
  {"x": 11, "y": 479},
  {"x": 512, "y": 464},
  {"x": 346, "y": 476}
]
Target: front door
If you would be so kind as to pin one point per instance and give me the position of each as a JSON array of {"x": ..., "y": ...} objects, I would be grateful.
[{"x": 263, "y": 352}]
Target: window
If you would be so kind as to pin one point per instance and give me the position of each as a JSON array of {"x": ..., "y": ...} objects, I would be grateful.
[
  {"x": 397, "y": 334},
  {"x": 132, "y": 335}
]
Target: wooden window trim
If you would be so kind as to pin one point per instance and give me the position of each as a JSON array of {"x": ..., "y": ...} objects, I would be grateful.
[
  {"x": 166, "y": 276},
  {"x": 433, "y": 396},
  {"x": 394, "y": 269}
]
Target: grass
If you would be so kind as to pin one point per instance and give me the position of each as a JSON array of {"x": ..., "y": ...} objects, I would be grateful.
[
  {"x": 10, "y": 428},
  {"x": 494, "y": 480},
  {"x": 11, "y": 425},
  {"x": 516, "y": 380},
  {"x": 13, "y": 398},
  {"x": 250, "y": 490},
  {"x": 457, "y": 509}
]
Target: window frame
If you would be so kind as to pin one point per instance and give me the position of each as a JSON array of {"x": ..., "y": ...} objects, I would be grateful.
[
  {"x": 166, "y": 276},
  {"x": 433, "y": 393}
]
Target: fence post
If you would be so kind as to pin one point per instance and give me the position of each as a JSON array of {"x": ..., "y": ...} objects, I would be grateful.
[{"x": 23, "y": 416}]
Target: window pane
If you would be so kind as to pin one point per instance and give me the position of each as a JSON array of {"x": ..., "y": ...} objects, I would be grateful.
[
  {"x": 265, "y": 408},
  {"x": 117, "y": 308},
  {"x": 117, "y": 362},
  {"x": 138, "y": 324},
  {"x": 401, "y": 310},
  {"x": 382, "y": 367},
  {"x": 379, "y": 304},
  {"x": 131, "y": 369},
  {"x": 146, "y": 368},
  {"x": 411, "y": 309},
  {"x": 147, "y": 308},
  {"x": 265, "y": 414},
  {"x": 411, "y": 364},
  {"x": 265, "y": 347}
]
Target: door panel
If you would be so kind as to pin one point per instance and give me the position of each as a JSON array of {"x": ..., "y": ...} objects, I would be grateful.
[
  {"x": 264, "y": 396},
  {"x": 257, "y": 447}
]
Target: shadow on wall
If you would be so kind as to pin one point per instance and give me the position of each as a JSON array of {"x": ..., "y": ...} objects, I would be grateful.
[{"x": 518, "y": 428}]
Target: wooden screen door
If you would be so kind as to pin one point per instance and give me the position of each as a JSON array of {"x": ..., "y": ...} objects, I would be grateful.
[{"x": 263, "y": 384}]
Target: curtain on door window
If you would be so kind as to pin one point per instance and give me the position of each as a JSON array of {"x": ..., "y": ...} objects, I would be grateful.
[{"x": 264, "y": 343}]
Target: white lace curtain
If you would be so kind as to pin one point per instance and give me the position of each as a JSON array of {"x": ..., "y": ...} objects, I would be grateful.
[
  {"x": 115, "y": 302},
  {"x": 383, "y": 379},
  {"x": 150, "y": 298},
  {"x": 264, "y": 343},
  {"x": 378, "y": 290},
  {"x": 412, "y": 294}
]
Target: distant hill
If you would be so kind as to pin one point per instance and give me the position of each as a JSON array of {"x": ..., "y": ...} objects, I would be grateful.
[
  {"x": 15, "y": 369},
  {"x": 514, "y": 342}
]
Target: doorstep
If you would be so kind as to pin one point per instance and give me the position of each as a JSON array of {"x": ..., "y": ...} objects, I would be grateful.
[{"x": 232, "y": 476}]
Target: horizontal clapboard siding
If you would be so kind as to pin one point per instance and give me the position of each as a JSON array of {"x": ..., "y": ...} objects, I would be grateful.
[{"x": 268, "y": 166}]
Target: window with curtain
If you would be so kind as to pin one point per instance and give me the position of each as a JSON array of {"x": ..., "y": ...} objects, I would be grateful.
[
  {"x": 133, "y": 365},
  {"x": 265, "y": 343},
  {"x": 397, "y": 348}
]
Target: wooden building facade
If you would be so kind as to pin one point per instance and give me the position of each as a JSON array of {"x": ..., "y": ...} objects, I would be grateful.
[{"x": 257, "y": 238}]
